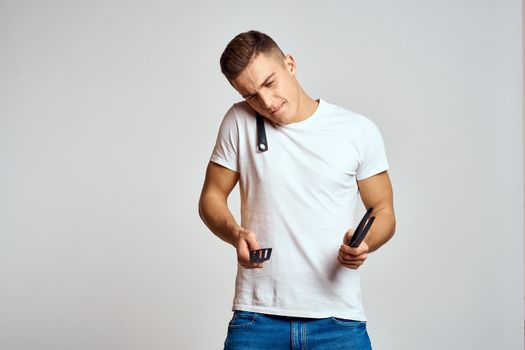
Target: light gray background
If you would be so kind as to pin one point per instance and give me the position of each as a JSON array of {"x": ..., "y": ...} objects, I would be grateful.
[{"x": 108, "y": 114}]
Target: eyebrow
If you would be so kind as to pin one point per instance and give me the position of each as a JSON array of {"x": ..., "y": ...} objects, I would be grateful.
[{"x": 264, "y": 83}]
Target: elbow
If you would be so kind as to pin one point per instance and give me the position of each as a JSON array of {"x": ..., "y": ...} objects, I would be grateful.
[{"x": 393, "y": 227}]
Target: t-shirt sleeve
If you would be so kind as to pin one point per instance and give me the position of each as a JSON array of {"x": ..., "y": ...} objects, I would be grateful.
[
  {"x": 373, "y": 158},
  {"x": 226, "y": 150}
]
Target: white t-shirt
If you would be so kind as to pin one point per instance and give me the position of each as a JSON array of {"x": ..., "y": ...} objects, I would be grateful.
[{"x": 299, "y": 199}]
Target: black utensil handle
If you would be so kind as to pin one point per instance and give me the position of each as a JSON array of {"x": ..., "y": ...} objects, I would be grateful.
[
  {"x": 363, "y": 221},
  {"x": 360, "y": 227},
  {"x": 358, "y": 237},
  {"x": 260, "y": 255}
]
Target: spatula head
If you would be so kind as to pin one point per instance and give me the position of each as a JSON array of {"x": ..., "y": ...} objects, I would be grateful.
[{"x": 260, "y": 255}]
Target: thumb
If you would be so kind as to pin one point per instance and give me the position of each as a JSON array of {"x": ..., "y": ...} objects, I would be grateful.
[
  {"x": 251, "y": 239},
  {"x": 348, "y": 235}
]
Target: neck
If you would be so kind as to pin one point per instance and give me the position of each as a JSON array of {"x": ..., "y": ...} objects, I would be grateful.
[{"x": 306, "y": 107}]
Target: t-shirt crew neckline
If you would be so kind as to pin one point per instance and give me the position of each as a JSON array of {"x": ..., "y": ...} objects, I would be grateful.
[{"x": 308, "y": 120}]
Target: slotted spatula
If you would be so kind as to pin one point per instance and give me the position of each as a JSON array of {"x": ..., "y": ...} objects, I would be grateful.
[
  {"x": 260, "y": 255},
  {"x": 362, "y": 229}
]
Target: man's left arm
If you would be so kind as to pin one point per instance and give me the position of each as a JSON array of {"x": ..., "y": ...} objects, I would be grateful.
[{"x": 376, "y": 192}]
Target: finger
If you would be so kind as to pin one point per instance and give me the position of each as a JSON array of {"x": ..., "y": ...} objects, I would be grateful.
[
  {"x": 252, "y": 266},
  {"x": 243, "y": 255},
  {"x": 348, "y": 235},
  {"x": 247, "y": 243},
  {"x": 349, "y": 257},
  {"x": 245, "y": 261},
  {"x": 346, "y": 250},
  {"x": 352, "y": 252},
  {"x": 247, "y": 264},
  {"x": 352, "y": 265},
  {"x": 363, "y": 248},
  {"x": 351, "y": 260},
  {"x": 251, "y": 239}
]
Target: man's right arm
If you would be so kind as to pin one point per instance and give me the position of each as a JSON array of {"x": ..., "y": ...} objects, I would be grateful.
[{"x": 214, "y": 212}]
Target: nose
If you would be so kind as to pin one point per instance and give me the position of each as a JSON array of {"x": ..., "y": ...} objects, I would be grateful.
[{"x": 266, "y": 100}]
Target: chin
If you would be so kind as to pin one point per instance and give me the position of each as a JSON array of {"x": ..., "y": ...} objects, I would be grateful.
[
  {"x": 281, "y": 119},
  {"x": 284, "y": 118}
]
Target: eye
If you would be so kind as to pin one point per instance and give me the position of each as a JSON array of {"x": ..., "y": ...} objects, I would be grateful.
[{"x": 270, "y": 83}]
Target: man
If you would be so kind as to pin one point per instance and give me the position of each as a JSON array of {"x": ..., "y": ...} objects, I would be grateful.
[{"x": 297, "y": 197}]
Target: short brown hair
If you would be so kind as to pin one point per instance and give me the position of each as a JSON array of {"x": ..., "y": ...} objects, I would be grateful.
[{"x": 242, "y": 49}]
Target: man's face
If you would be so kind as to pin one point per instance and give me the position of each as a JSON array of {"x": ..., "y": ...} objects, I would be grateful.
[{"x": 269, "y": 86}]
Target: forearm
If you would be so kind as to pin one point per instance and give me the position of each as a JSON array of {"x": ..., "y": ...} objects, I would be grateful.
[
  {"x": 382, "y": 229},
  {"x": 214, "y": 212}
]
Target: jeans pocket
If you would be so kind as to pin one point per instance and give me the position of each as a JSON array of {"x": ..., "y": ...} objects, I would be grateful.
[
  {"x": 348, "y": 323},
  {"x": 242, "y": 319}
]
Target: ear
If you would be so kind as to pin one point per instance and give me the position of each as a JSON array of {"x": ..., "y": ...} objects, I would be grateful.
[{"x": 289, "y": 63}]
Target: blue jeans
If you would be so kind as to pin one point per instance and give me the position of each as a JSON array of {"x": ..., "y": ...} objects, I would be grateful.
[{"x": 253, "y": 331}]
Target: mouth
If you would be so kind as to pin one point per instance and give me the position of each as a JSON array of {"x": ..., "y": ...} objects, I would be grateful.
[{"x": 277, "y": 109}]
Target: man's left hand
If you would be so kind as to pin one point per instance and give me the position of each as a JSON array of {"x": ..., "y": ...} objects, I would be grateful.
[{"x": 352, "y": 257}]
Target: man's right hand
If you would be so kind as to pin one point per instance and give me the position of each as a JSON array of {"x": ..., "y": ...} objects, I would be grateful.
[
  {"x": 213, "y": 210},
  {"x": 246, "y": 241}
]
